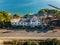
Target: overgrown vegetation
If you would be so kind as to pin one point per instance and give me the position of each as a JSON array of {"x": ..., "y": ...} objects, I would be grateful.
[
  {"x": 33, "y": 42},
  {"x": 26, "y": 15},
  {"x": 53, "y": 12},
  {"x": 16, "y": 16},
  {"x": 5, "y": 18}
]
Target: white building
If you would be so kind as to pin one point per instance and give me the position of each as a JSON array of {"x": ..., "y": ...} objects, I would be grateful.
[
  {"x": 23, "y": 22},
  {"x": 19, "y": 22},
  {"x": 30, "y": 21},
  {"x": 15, "y": 21},
  {"x": 35, "y": 21}
]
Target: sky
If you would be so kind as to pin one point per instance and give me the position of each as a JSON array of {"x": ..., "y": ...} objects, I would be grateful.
[{"x": 26, "y": 6}]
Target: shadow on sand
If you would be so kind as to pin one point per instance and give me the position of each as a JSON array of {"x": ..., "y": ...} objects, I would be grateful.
[
  {"x": 38, "y": 30},
  {"x": 7, "y": 32}
]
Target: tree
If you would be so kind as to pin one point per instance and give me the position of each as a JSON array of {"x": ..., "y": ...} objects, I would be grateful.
[
  {"x": 1, "y": 17},
  {"x": 5, "y": 18},
  {"x": 43, "y": 11},
  {"x": 52, "y": 12},
  {"x": 1, "y": 20},
  {"x": 26, "y": 15},
  {"x": 8, "y": 18},
  {"x": 57, "y": 15},
  {"x": 16, "y": 16},
  {"x": 6, "y": 15}
]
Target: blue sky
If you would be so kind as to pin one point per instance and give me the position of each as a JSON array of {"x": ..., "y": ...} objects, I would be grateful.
[{"x": 26, "y": 6}]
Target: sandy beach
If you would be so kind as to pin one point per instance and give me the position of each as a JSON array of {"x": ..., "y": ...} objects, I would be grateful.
[{"x": 6, "y": 35}]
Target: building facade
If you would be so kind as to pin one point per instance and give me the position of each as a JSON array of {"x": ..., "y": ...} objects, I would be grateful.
[{"x": 32, "y": 21}]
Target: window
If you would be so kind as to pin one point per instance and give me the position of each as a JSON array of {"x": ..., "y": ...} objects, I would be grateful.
[
  {"x": 12, "y": 23},
  {"x": 38, "y": 23},
  {"x": 21, "y": 23},
  {"x": 24, "y": 23},
  {"x": 33, "y": 21},
  {"x": 15, "y": 23},
  {"x": 18, "y": 23}
]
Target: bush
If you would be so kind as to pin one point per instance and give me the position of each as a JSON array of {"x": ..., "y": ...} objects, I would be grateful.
[
  {"x": 17, "y": 27},
  {"x": 41, "y": 42},
  {"x": 29, "y": 43},
  {"x": 40, "y": 27},
  {"x": 8, "y": 43}
]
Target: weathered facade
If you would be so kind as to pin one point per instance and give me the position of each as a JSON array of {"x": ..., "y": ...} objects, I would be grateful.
[{"x": 30, "y": 21}]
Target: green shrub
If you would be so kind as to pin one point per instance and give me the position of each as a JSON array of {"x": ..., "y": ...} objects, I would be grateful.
[
  {"x": 33, "y": 42},
  {"x": 29, "y": 43},
  {"x": 8, "y": 43}
]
